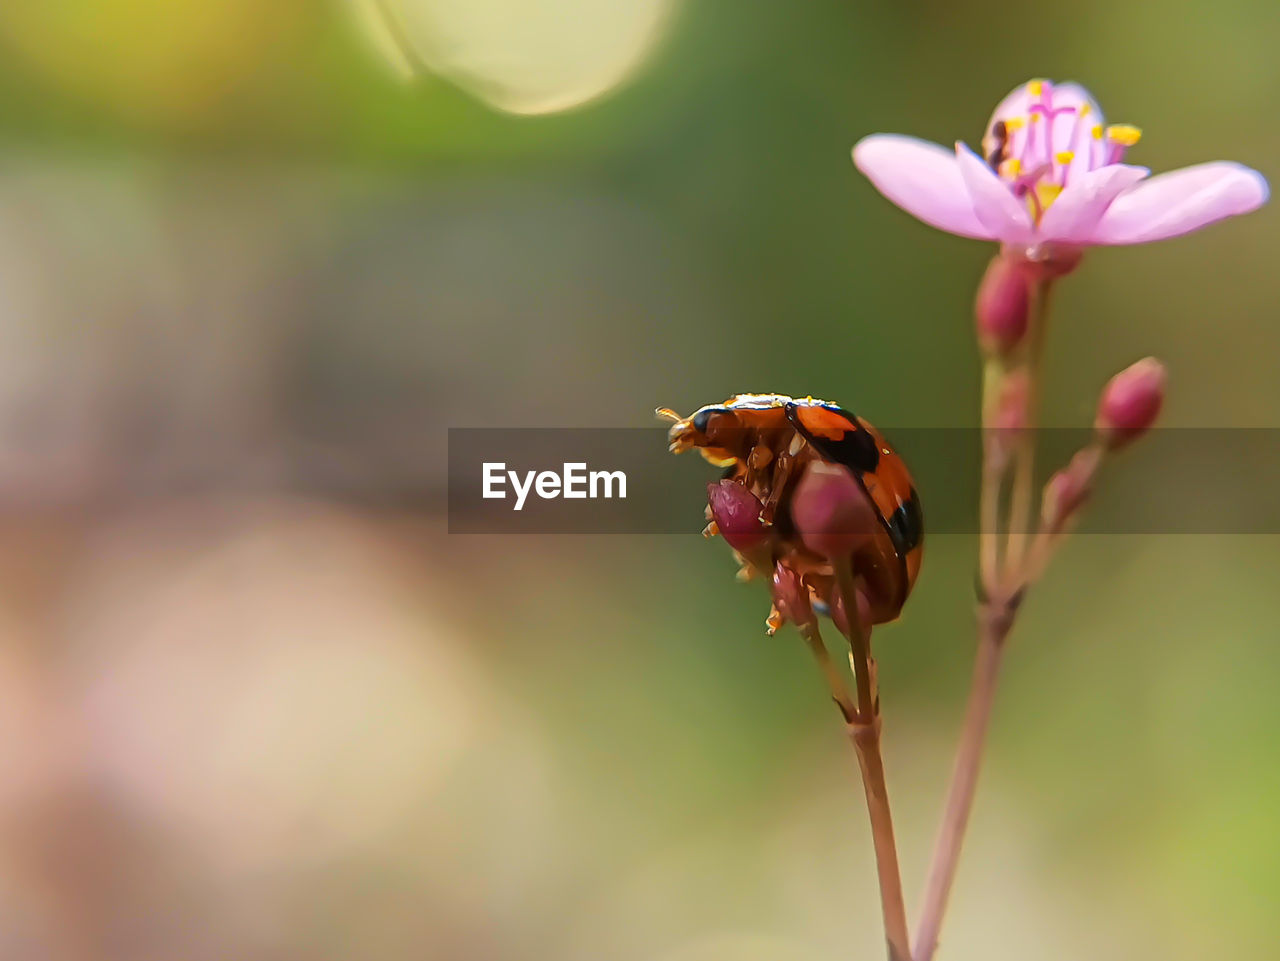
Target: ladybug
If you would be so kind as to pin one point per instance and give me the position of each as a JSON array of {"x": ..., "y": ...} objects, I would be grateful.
[{"x": 764, "y": 442}]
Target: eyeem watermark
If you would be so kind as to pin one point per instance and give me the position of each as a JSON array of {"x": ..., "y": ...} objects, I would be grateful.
[
  {"x": 588, "y": 480},
  {"x": 574, "y": 482}
]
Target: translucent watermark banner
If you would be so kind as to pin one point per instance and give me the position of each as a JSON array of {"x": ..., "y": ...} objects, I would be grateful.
[{"x": 624, "y": 481}]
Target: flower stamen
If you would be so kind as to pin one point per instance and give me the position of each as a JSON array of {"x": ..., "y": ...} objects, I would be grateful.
[
  {"x": 1120, "y": 137},
  {"x": 1035, "y": 152},
  {"x": 1124, "y": 134},
  {"x": 1028, "y": 145}
]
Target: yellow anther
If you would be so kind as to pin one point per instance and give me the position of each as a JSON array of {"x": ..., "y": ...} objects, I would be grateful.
[
  {"x": 1014, "y": 123},
  {"x": 1037, "y": 117},
  {"x": 1041, "y": 198},
  {"x": 1011, "y": 167},
  {"x": 1035, "y": 88},
  {"x": 1124, "y": 134},
  {"x": 1097, "y": 131},
  {"x": 1047, "y": 193},
  {"x": 1086, "y": 109},
  {"x": 1065, "y": 157}
]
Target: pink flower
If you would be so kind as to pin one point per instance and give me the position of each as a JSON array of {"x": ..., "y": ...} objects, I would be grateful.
[{"x": 1052, "y": 173}]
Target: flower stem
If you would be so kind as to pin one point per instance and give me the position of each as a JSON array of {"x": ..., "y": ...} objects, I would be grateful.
[
  {"x": 1048, "y": 539},
  {"x": 859, "y": 644},
  {"x": 994, "y": 620},
  {"x": 866, "y": 742},
  {"x": 835, "y": 680},
  {"x": 989, "y": 492},
  {"x": 1024, "y": 464},
  {"x": 1002, "y": 588},
  {"x": 864, "y": 732}
]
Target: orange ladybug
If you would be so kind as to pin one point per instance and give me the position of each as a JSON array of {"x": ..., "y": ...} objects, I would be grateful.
[{"x": 764, "y": 441}]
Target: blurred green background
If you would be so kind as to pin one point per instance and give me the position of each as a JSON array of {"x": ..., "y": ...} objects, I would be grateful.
[{"x": 256, "y": 703}]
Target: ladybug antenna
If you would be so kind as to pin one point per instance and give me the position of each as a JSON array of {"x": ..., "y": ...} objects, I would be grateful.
[{"x": 668, "y": 415}]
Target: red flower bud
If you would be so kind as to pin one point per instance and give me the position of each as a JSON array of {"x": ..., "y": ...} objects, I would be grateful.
[
  {"x": 736, "y": 512},
  {"x": 1000, "y": 309},
  {"x": 832, "y": 511},
  {"x": 1130, "y": 403}
]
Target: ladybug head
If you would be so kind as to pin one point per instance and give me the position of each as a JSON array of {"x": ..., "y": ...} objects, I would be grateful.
[{"x": 687, "y": 432}]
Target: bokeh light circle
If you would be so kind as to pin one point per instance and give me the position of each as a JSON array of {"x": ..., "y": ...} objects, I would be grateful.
[
  {"x": 272, "y": 690},
  {"x": 525, "y": 58}
]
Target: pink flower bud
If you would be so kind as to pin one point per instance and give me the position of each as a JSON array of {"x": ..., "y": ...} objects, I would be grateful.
[
  {"x": 736, "y": 512},
  {"x": 1130, "y": 403},
  {"x": 1068, "y": 489},
  {"x": 1000, "y": 309},
  {"x": 790, "y": 596},
  {"x": 832, "y": 511}
]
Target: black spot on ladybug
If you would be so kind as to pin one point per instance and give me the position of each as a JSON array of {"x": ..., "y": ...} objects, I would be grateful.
[
  {"x": 856, "y": 450},
  {"x": 700, "y": 420},
  {"x": 906, "y": 526}
]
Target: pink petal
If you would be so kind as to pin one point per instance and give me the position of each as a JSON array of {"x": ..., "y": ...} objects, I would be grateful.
[
  {"x": 1004, "y": 216},
  {"x": 922, "y": 178},
  {"x": 1073, "y": 216},
  {"x": 1181, "y": 201}
]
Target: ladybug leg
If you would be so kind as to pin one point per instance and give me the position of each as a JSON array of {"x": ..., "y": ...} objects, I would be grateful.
[
  {"x": 712, "y": 529},
  {"x": 754, "y": 464},
  {"x": 784, "y": 463},
  {"x": 773, "y": 621},
  {"x": 780, "y": 476},
  {"x": 760, "y": 457}
]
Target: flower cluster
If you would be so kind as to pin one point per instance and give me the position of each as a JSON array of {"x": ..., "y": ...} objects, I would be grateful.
[{"x": 1051, "y": 181}]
